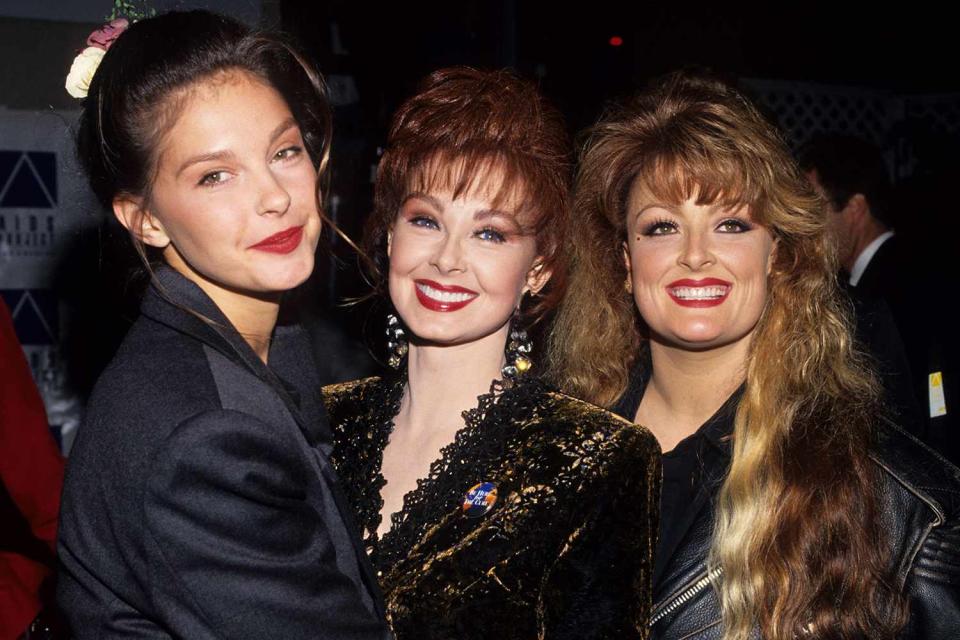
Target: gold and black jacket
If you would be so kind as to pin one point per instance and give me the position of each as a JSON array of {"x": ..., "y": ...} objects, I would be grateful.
[{"x": 566, "y": 551}]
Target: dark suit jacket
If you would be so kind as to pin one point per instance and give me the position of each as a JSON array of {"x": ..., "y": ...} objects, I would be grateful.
[
  {"x": 882, "y": 277},
  {"x": 877, "y": 335},
  {"x": 890, "y": 277},
  {"x": 199, "y": 501},
  {"x": 918, "y": 299}
]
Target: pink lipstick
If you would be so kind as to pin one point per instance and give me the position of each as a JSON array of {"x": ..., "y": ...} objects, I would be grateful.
[
  {"x": 284, "y": 242},
  {"x": 443, "y": 297},
  {"x": 708, "y": 292}
]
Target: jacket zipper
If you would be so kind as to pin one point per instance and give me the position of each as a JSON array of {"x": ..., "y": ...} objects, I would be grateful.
[{"x": 686, "y": 596}]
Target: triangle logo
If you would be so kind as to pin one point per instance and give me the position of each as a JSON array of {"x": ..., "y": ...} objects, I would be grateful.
[
  {"x": 34, "y": 316},
  {"x": 25, "y": 189},
  {"x": 45, "y": 166},
  {"x": 8, "y": 162}
]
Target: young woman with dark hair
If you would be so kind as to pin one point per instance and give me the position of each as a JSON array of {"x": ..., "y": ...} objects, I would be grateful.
[
  {"x": 491, "y": 505},
  {"x": 199, "y": 501},
  {"x": 704, "y": 304}
]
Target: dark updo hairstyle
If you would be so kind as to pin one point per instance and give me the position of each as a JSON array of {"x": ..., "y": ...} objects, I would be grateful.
[
  {"x": 139, "y": 88},
  {"x": 466, "y": 126}
]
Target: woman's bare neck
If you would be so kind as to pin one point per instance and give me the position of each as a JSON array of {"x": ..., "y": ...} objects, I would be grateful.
[
  {"x": 442, "y": 383},
  {"x": 687, "y": 387}
]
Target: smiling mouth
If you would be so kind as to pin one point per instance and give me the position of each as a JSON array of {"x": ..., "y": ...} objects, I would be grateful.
[
  {"x": 283, "y": 242},
  {"x": 438, "y": 297},
  {"x": 708, "y": 292},
  {"x": 699, "y": 293}
]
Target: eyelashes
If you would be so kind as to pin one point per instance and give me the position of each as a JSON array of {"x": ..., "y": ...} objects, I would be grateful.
[
  {"x": 423, "y": 221},
  {"x": 659, "y": 227},
  {"x": 663, "y": 227},
  {"x": 492, "y": 235},
  {"x": 487, "y": 234},
  {"x": 289, "y": 152},
  {"x": 285, "y": 155},
  {"x": 734, "y": 225},
  {"x": 213, "y": 178}
]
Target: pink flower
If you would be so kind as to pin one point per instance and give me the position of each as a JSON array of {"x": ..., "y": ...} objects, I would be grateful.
[{"x": 103, "y": 37}]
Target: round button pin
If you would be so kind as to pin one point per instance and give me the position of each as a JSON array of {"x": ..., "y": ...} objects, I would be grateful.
[{"x": 480, "y": 499}]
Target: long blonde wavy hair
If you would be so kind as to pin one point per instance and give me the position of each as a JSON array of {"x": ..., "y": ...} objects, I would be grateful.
[{"x": 796, "y": 533}]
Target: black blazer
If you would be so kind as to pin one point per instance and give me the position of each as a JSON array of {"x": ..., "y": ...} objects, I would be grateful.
[
  {"x": 199, "y": 501},
  {"x": 919, "y": 298},
  {"x": 877, "y": 334},
  {"x": 883, "y": 277}
]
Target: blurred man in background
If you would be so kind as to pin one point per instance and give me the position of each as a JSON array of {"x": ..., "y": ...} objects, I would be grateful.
[{"x": 885, "y": 277}]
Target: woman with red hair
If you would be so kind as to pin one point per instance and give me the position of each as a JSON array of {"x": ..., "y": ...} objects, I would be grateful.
[{"x": 525, "y": 513}]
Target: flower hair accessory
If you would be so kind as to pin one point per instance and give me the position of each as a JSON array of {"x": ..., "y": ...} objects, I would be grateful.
[
  {"x": 88, "y": 60},
  {"x": 103, "y": 37}
]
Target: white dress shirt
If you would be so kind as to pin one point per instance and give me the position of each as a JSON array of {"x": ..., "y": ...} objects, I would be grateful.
[{"x": 860, "y": 264}]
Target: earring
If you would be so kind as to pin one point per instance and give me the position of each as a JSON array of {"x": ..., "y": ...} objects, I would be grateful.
[
  {"x": 396, "y": 342},
  {"x": 518, "y": 352}
]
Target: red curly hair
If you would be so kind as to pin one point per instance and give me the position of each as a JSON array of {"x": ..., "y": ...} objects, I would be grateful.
[{"x": 466, "y": 127}]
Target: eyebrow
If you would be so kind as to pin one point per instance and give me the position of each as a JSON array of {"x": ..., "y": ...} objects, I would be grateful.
[
  {"x": 204, "y": 157},
  {"x": 433, "y": 202},
  {"x": 485, "y": 214},
  {"x": 674, "y": 209},
  {"x": 478, "y": 215},
  {"x": 278, "y": 131},
  {"x": 282, "y": 128},
  {"x": 654, "y": 205}
]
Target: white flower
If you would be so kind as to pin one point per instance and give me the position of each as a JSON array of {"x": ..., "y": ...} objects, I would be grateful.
[{"x": 82, "y": 70}]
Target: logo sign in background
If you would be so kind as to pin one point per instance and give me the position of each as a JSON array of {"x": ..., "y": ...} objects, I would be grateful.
[{"x": 44, "y": 206}]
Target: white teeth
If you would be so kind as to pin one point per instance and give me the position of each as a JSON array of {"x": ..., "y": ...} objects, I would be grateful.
[
  {"x": 700, "y": 293},
  {"x": 444, "y": 296}
]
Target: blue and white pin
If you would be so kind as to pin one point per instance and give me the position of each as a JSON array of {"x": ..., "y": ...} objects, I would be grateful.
[{"x": 480, "y": 500}]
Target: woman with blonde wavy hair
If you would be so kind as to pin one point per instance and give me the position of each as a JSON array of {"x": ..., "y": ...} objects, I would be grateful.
[{"x": 703, "y": 305}]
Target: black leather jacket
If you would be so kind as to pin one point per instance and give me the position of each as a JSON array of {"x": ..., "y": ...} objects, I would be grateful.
[{"x": 920, "y": 502}]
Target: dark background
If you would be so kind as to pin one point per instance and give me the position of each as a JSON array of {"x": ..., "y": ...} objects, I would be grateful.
[
  {"x": 390, "y": 45},
  {"x": 877, "y": 58}
]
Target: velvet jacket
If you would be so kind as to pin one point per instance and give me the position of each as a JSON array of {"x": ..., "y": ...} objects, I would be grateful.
[
  {"x": 199, "y": 500},
  {"x": 920, "y": 512},
  {"x": 566, "y": 550}
]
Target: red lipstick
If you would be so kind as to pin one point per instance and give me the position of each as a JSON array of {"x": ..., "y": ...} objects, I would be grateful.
[
  {"x": 443, "y": 297},
  {"x": 283, "y": 242},
  {"x": 708, "y": 292}
]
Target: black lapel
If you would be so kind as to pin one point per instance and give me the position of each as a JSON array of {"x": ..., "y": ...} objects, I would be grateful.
[
  {"x": 291, "y": 360},
  {"x": 178, "y": 303},
  {"x": 356, "y": 538},
  {"x": 874, "y": 279}
]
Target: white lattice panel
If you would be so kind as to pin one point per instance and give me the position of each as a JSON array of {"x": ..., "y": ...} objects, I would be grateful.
[{"x": 888, "y": 120}]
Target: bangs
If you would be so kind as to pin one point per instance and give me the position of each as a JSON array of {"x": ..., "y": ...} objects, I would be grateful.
[
  {"x": 708, "y": 176},
  {"x": 487, "y": 175}
]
